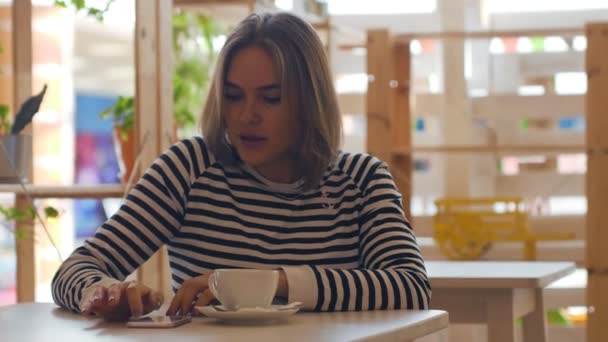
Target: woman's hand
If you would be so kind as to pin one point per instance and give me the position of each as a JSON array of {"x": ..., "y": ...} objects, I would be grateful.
[
  {"x": 183, "y": 302},
  {"x": 120, "y": 301}
]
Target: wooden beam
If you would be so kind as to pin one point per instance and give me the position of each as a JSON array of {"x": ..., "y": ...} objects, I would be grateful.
[
  {"x": 597, "y": 302},
  {"x": 401, "y": 127},
  {"x": 164, "y": 68},
  {"x": 25, "y": 250},
  {"x": 153, "y": 107},
  {"x": 73, "y": 191},
  {"x": 596, "y": 62},
  {"x": 505, "y": 107},
  {"x": 571, "y": 31},
  {"x": 518, "y": 107},
  {"x": 25, "y": 246},
  {"x": 201, "y": 3},
  {"x": 22, "y": 51},
  {"x": 541, "y": 183},
  {"x": 379, "y": 136},
  {"x": 503, "y": 149}
]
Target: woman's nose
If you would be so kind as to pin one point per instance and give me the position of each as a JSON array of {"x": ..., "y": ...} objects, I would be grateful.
[{"x": 249, "y": 114}]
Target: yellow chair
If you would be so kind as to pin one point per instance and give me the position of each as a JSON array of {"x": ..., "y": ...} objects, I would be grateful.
[{"x": 465, "y": 228}]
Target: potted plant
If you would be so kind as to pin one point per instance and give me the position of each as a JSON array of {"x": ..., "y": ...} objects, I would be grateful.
[
  {"x": 15, "y": 148},
  {"x": 193, "y": 53},
  {"x": 122, "y": 113},
  {"x": 15, "y": 163}
]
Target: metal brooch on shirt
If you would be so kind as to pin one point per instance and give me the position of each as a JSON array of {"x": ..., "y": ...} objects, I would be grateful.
[{"x": 329, "y": 204}]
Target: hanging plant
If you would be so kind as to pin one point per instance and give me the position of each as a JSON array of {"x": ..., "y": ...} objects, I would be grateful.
[
  {"x": 81, "y": 5},
  {"x": 193, "y": 56},
  {"x": 12, "y": 214}
]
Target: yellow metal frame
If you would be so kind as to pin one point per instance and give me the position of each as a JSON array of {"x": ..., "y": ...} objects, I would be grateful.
[{"x": 466, "y": 228}]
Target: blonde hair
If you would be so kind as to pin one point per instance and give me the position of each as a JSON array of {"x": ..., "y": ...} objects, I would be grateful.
[{"x": 306, "y": 84}]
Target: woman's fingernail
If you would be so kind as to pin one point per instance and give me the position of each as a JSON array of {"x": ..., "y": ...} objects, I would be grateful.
[{"x": 111, "y": 299}]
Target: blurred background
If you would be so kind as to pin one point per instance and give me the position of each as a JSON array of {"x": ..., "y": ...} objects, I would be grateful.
[{"x": 510, "y": 90}]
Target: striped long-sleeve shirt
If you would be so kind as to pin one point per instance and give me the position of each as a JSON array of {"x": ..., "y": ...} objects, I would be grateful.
[{"x": 343, "y": 246}]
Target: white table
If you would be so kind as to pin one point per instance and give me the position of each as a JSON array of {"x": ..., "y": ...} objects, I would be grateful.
[
  {"x": 47, "y": 322},
  {"x": 496, "y": 293}
]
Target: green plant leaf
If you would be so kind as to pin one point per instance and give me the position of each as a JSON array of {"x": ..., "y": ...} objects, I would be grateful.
[
  {"x": 122, "y": 113},
  {"x": 557, "y": 317},
  {"x": 14, "y": 214},
  {"x": 4, "y": 213},
  {"x": 30, "y": 213},
  {"x": 96, "y": 13},
  {"x": 80, "y": 4},
  {"x": 51, "y": 212},
  {"x": 193, "y": 56},
  {"x": 19, "y": 234},
  {"x": 4, "y": 110}
]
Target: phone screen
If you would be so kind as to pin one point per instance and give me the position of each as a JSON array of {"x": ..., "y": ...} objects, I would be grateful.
[{"x": 158, "y": 321}]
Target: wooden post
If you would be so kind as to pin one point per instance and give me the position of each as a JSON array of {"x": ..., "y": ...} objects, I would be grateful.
[
  {"x": 153, "y": 106},
  {"x": 401, "y": 127},
  {"x": 596, "y": 103},
  {"x": 379, "y": 136},
  {"x": 22, "y": 89},
  {"x": 456, "y": 113}
]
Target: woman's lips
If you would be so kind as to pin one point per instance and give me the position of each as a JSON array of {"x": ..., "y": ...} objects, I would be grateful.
[{"x": 252, "y": 141}]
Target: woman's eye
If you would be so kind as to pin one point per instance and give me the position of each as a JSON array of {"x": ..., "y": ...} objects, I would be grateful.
[
  {"x": 272, "y": 99},
  {"x": 232, "y": 97}
]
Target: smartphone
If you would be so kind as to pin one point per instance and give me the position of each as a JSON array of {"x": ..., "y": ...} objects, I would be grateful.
[{"x": 158, "y": 321}]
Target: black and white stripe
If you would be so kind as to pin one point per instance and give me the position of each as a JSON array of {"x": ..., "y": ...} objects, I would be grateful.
[{"x": 350, "y": 234}]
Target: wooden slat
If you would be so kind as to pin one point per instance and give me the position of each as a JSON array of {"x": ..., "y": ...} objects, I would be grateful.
[
  {"x": 596, "y": 60},
  {"x": 597, "y": 215},
  {"x": 539, "y": 183},
  {"x": 72, "y": 191},
  {"x": 22, "y": 51},
  {"x": 504, "y": 107},
  {"x": 200, "y": 3},
  {"x": 166, "y": 131},
  {"x": 6, "y": 59},
  {"x": 572, "y": 31},
  {"x": 597, "y": 300},
  {"x": 25, "y": 250},
  {"x": 152, "y": 106},
  {"x": 503, "y": 149},
  {"x": 379, "y": 137},
  {"x": 517, "y": 107},
  {"x": 164, "y": 63},
  {"x": 22, "y": 90},
  {"x": 401, "y": 127}
]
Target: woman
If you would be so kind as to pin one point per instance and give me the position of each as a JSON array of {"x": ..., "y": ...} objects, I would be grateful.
[{"x": 265, "y": 188}]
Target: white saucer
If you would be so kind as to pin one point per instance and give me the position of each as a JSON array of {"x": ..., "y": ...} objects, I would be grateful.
[{"x": 249, "y": 315}]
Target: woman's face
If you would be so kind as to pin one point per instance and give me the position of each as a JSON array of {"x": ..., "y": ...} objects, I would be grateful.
[{"x": 259, "y": 123}]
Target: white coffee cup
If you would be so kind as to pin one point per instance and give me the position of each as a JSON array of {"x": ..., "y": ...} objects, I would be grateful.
[{"x": 244, "y": 288}]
